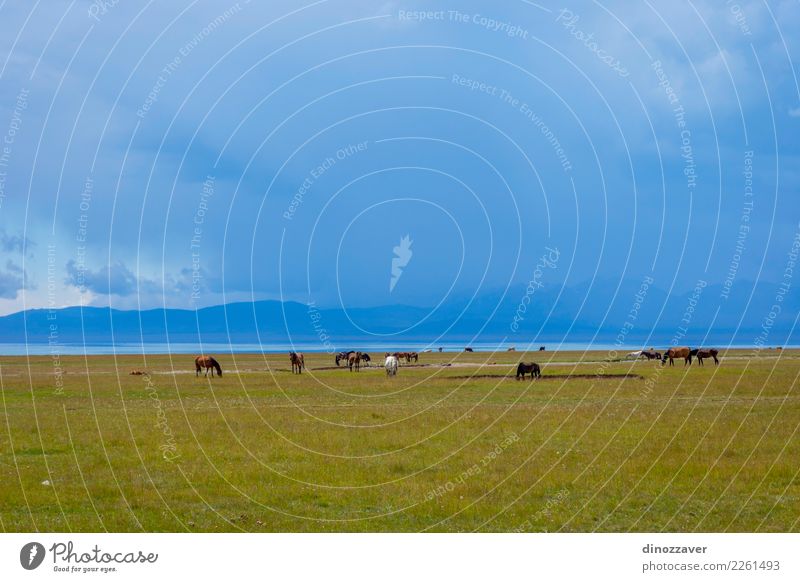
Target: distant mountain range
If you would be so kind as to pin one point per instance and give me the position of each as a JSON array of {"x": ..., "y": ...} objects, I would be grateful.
[{"x": 573, "y": 314}]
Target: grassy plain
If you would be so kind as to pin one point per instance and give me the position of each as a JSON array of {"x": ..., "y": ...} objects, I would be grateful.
[{"x": 456, "y": 447}]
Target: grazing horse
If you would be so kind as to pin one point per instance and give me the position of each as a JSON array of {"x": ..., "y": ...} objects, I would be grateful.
[
  {"x": 298, "y": 363},
  {"x": 365, "y": 358},
  {"x": 541, "y": 348},
  {"x": 533, "y": 369},
  {"x": 412, "y": 356},
  {"x": 355, "y": 360},
  {"x": 208, "y": 363},
  {"x": 651, "y": 354},
  {"x": 391, "y": 365},
  {"x": 673, "y": 353},
  {"x": 701, "y": 354},
  {"x": 344, "y": 356},
  {"x": 468, "y": 349},
  {"x": 634, "y": 355}
]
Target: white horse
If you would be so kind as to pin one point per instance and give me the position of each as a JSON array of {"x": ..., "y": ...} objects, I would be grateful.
[
  {"x": 634, "y": 355},
  {"x": 391, "y": 365}
]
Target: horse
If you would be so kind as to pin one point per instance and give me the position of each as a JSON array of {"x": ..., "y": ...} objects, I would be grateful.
[
  {"x": 208, "y": 363},
  {"x": 298, "y": 363},
  {"x": 343, "y": 356},
  {"x": 365, "y": 358},
  {"x": 511, "y": 350},
  {"x": 541, "y": 348},
  {"x": 701, "y": 354},
  {"x": 468, "y": 350},
  {"x": 533, "y": 369},
  {"x": 651, "y": 354},
  {"x": 634, "y": 355},
  {"x": 673, "y": 353},
  {"x": 412, "y": 356},
  {"x": 354, "y": 360},
  {"x": 391, "y": 365}
]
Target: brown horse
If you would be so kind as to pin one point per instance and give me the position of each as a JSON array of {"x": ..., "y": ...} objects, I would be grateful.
[
  {"x": 674, "y": 353},
  {"x": 208, "y": 363},
  {"x": 343, "y": 356},
  {"x": 355, "y": 360},
  {"x": 412, "y": 356},
  {"x": 706, "y": 353},
  {"x": 298, "y": 363}
]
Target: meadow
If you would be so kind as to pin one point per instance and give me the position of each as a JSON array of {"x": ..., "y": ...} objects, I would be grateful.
[{"x": 452, "y": 445}]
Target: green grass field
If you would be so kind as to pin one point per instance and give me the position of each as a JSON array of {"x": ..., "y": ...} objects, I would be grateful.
[{"x": 438, "y": 448}]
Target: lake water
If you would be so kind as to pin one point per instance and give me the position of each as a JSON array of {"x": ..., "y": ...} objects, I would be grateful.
[{"x": 42, "y": 349}]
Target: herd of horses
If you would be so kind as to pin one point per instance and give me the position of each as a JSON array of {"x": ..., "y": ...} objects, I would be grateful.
[
  {"x": 353, "y": 359},
  {"x": 687, "y": 354},
  {"x": 673, "y": 354}
]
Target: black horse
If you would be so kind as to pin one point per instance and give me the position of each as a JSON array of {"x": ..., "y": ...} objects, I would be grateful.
[
  {"x": 533, "y": 369},
  {"x": 702, "y": 353},
  {"x": 365, "y": 358},
  {"x": 651, "y": 354}
]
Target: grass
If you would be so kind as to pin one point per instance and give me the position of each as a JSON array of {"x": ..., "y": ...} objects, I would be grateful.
[{"x": 438, "y": 448}]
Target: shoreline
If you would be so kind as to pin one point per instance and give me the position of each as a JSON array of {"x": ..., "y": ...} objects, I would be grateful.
[{"x": 161, "y": 349}]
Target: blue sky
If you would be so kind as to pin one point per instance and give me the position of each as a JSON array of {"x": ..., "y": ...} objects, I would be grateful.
[{"x": 194, "y": 153}]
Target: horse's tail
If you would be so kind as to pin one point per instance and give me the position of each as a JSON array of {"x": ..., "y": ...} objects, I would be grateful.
[{"x": 217, "y": 367}]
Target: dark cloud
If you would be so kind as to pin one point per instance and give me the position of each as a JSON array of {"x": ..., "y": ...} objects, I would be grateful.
[
  {"x": 114, "y": 279},
  {"x": 15, "y": 243},
  {"x": 12, "y": 281}
]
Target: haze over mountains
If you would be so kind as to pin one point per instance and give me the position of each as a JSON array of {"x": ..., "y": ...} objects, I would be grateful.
[{"x": 636, "y": 314}]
